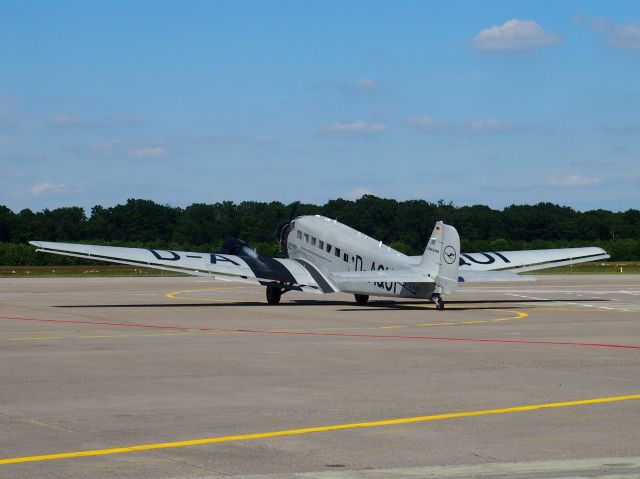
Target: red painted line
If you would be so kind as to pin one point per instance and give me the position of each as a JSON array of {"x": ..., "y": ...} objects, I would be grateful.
[
  {"x": 96, "y": 323},
  {"x": 311, "y": 333}
]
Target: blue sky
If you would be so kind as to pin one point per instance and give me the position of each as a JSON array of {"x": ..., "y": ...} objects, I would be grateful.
[{"x": 180, "y": 102}]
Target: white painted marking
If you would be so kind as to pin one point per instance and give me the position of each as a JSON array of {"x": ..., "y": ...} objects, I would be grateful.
[
  {"x": 558, "y": 301},
  {"x": 598, "y": 468}
]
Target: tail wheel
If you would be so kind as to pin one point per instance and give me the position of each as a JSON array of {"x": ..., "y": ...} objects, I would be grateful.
[
  {"x": 361, "y": 298},
  {"x": 273, "y": 295}
]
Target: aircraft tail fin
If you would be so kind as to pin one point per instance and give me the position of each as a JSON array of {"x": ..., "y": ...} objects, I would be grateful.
[{"x": 441, "y": 257}]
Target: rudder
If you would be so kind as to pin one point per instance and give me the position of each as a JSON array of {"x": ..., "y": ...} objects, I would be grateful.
[{"x": 441, "y": 257}]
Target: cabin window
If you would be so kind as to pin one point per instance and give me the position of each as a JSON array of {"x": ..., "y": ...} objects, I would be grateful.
[
  {"x": 338, "y": 252},
  {"x": 306, "y": 237},
  {"x": 328, "y": 248},
  {"x": 313, "y": 240},
  {"x": 346, "y": 257},
  {"x": 320, "y": 244},
  {"x": 299, "y": 234}
]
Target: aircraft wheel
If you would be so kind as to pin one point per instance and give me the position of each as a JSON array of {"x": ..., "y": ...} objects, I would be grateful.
[
  {"x": 437, "y": 300},
  {"x": 361, "y": 298},
  {"x": 273, "y": 295}
]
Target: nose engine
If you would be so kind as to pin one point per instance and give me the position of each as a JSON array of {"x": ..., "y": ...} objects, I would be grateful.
[{"x": 282, "y": 233}]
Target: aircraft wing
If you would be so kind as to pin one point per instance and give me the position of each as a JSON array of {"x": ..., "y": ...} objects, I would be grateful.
[
  {"x": 525, "y": 260},
  {"x": 243, "y": 269},
  {"x": 410, "y": 275}
]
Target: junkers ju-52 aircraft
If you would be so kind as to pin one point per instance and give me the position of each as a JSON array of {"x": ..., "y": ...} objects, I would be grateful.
[{"x": 325, "y": 256}]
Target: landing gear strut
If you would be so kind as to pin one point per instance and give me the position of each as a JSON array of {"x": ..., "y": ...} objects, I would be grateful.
[
  {"x": 437, "y": 300},
  {"x": 273, "y": 294},
  {"x": 361, "y": 299}
]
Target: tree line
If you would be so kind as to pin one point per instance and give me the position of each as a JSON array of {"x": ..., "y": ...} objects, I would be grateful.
[{"x": 404, "y": 225}]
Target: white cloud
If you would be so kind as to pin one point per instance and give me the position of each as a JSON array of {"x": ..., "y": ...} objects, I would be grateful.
[
  {"x": 574, "y": 181},
  {"x": 489, "y": 124},
  {"x": 220, "y": 138},
  {"x": 626, "y": 37},
  {"x": 233, "y": 139},
  {"x": 264, "y": 139},
  {"x": 366, "y": 84},
  {"x": 514, "y": 36},
  {"x": 355, "y": 127},
  {"x": 150, "y": 152},
  {"x": 6, "y": 122},
  {"x": 123, "y": 148},
  {"x": 357, "y": 193},
  {"x": 428, "y": 125},
  {"x": 125, "y": 120},
  {"x": 67, "y": 119},
  {"x": 64, "y": 119},
  {"x": 620, "y": 129},
  {"x": 46, "y": 187}
]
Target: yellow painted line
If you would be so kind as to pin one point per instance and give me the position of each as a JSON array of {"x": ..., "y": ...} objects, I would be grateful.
[
  {"x": 34, "y": 339},
  {"x": 518, "y": 315},
  {"x": 294, "y": 432},
  {"x": 424, "y": 325},
  {"x": 174, "y": 294},
  {"x": 476, "y": 322}
]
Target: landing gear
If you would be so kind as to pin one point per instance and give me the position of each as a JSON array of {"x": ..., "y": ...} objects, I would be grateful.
[
  {"x": 361, "y": 299},
  {"x": 273, "y": 294},
  {"x": 437, "y": 300}
]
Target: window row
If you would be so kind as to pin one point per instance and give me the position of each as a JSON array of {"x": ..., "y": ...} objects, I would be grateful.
[{"x": 320, "y": 244}]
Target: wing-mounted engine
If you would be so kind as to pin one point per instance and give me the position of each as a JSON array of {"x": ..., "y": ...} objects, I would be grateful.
[{"x": 237, "y": 247}]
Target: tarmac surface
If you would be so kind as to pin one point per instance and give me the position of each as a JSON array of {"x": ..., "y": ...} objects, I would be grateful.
[{"x": 186, "y": 378}]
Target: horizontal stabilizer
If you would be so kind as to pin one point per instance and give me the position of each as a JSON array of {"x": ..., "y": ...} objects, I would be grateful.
[{"x": 491, "y": 276}]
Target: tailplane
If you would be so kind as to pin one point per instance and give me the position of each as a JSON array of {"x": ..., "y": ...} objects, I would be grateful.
[{"x": 441, "y": 258}]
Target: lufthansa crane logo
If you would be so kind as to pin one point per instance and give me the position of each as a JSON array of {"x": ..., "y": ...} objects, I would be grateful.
[{"x": 450, "y": 254}]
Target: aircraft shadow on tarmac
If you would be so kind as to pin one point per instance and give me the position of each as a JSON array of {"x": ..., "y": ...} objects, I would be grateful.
[{"x": 347, "y": 305}]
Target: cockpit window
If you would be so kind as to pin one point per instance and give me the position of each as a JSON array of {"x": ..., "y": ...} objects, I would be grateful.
[
  {"x": 346, "y": 257},
  {"x": 299, "y": 234},
  {"x": 306, "y": 237},
  {"x": 338, "y": 252},
  {"x": 320, "y": 244},
  {"x": 313, "y": 240},
  {"x": 328, "y": 248}
]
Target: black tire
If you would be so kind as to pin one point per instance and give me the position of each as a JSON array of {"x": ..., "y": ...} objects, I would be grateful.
[
  {"x": 437, "y": 300},
  {"x": 361, "y": 299},
  {"x": 273, "y": 295}
]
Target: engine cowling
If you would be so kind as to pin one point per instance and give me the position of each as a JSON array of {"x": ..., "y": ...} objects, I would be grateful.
[
  {"x": 282, "y": 233},
  {"x": 237, "y": 247}
]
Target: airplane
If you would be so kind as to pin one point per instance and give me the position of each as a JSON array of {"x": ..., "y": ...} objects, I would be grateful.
[{"x": 326, "y": 256}]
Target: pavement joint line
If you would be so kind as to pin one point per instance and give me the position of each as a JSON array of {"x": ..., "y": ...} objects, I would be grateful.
[
  {"x": 95, "y": 336},
  {"x": 34, "y": 338},
  {"x": 300, "y": 431}
]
